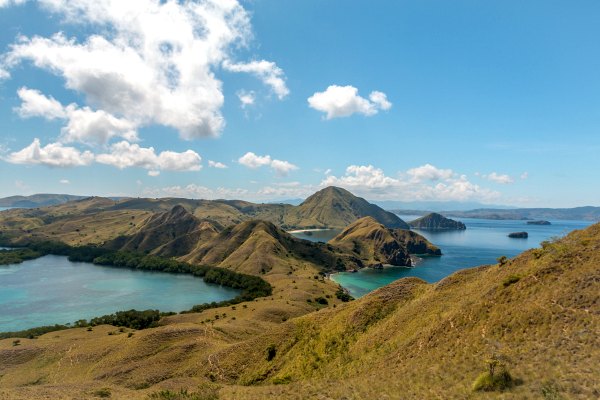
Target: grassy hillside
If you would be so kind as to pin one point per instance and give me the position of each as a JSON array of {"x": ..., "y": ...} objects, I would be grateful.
[
  {"x": 375, "y": 244},
  {"x": 536, "y": 315},
  {"x": 37, "y": 200},
  {"x": 435, "y": 221}
]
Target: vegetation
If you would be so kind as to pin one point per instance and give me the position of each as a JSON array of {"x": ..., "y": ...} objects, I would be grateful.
[
  {"x": 435, "y": 221},
  {"x": 17, "y": 256},
  {"x": 496, "y": 378},
  {"x": 208, "y": 393}
]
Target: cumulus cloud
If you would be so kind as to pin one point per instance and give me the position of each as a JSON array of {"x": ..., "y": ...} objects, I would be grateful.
[
  {"x": 131, "y": 70},
  {"x": 51, "y": 155},
  {"x": 429, "y": 172},
  {"x": 124, "y": 155},
  {"x": 216, "y": 164},
  {"x": 283, "y": 167},
  {"x": 83, "y": 124},
  {"x": 64, "y": 182},
  {"x": 426, "y": 182},
  {"x": 343, "y": 101},
  {"x": 267, "y": 71},
  {"x": 6, "y": 3},
  {"x": 251, "y": 160}
]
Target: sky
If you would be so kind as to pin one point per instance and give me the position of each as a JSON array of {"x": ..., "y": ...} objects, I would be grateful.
[{"x": 494, "y": 102}]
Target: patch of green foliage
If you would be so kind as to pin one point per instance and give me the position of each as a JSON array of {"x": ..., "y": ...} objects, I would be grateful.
[
  {"x": 495, "y": 379},
  {"x": 343, "y": 296},
  {"x": 103, "y": 393},
  {"x": 510, "y": 280},
  {"x": 183, "y": 394},
  {"x": 17, "y": 256}
]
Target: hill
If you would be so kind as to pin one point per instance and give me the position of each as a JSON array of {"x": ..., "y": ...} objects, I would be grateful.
[
  {"x": 578, "y": 213},
  {"x": 95, "y": 220},
  {"x": 521, "y": 315},
  {"x": 375, "y": 244},
  {"x": 336, "y": 207},
  {"x": 172, "y": 233},
  {"x": 37, "y": 200},
  {"x": 435, "y": 221}
]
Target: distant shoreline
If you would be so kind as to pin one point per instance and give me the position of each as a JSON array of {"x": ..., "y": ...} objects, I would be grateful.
[{"x": 310, "y": 230}]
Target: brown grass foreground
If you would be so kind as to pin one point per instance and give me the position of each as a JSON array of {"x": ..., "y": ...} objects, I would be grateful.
[{"x": 539, "y": 312}]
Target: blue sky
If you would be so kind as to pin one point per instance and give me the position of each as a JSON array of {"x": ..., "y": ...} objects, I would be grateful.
[{"x": 495, "y": 102}]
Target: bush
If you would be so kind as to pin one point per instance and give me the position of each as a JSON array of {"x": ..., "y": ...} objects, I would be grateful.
[
  {"x": 343, "y": 296},
  {"x": 510, "y": 280},
  {"x": 492, "y": 383},
  {"x": 271, "y": 352},
  {"x": 322, "y": 300},
  {"x": 103, "y": 393}
]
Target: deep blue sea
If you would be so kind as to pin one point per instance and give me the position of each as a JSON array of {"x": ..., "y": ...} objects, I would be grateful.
[
  {"x": 481, "y": 243},
  {"x": 52, "y": 290}
]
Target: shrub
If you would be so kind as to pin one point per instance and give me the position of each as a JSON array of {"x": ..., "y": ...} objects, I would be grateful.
[
  {"x": 271, "y": 352},
  {"x": 343, "y": 296},
  {"x": 510, "y": 280},
  {"x": 496, "y": 378},
  {"x": 103, "y": 393},
  {"x": 322, "y": 300}
]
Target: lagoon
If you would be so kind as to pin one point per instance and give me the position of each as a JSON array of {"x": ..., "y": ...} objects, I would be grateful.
[
  {"x": 53, "y": 290},
  {"x": 481, "y": 243}
]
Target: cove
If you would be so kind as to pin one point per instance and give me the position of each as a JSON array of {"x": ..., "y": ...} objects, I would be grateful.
[
  {"x": 53, "y": 290},
  {"x": 481, "y": 243}
]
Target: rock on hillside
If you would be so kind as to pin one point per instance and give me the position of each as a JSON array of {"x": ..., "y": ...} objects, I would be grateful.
[
  {"x": 435, "y": 221},
  {"x": 375, "y": 244}
]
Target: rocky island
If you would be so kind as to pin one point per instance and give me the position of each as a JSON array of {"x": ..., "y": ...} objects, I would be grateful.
[
  {"x": 435, "y": 221},
  {"x": 518, "y": 235},
  {"x": 540, "y": 222}
]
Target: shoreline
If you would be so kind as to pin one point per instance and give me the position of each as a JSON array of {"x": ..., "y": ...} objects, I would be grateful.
[{"x": 310, "y": 230}]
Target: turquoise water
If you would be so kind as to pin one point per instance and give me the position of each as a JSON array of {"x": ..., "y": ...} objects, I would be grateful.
[
  {"x": 481, "y": 243},
  {"x": 52, "y": 290}
]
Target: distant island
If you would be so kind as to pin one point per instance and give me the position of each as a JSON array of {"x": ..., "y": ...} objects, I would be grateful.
[
  {"x": 435, "y": 221},
  {"x": 587, "y": 213},
  {"x": 518, "y": 235},
  {"x": 540, "y": 222}
]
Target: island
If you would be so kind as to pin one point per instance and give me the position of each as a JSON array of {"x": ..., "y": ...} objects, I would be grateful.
[
  {"x": 435, "y": 221},
  {"x": 518, "y": 235},
  {"x": 540, "y": 222}
]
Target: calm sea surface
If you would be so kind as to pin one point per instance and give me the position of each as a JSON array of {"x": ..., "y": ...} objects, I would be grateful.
[
  {"x": 52, "y": 290},
  {"x": 481, "y": 243}
]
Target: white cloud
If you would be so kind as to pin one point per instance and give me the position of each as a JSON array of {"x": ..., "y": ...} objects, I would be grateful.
[
  {"x": 380, "y": 99},
  {"x": 216, "y": 164},
  {"x": 35, "y": 104},
  {"x": 52, "y": 155},
  {"x": 143, "y": 75},
  {"x": 4, "y": 74},
  {"x": 283, "y": 168},
  {"x": 343, "y": 101},
  {"x": 124, "y": 155},
  {"x": 267, "y": 71},
  {"x": 429, "y": 172},
  {"x": 251, "y": 160},
  {"x": 196, "y": 191},
  {"x": 153, "y": 173},
  {"x": 421, "y": 183},
  {"x": 525, "y": 175},
  {"x": 64, "y": 182},
  {"x": 246, "y": 98},
  {"x": 83, "y": 124},
  {"x": 502, "y": 179}
]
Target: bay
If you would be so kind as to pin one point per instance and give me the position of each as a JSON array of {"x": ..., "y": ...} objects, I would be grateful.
[
  {"x": 53, "y": 290},
  {"x": 481, "y": 243}
]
